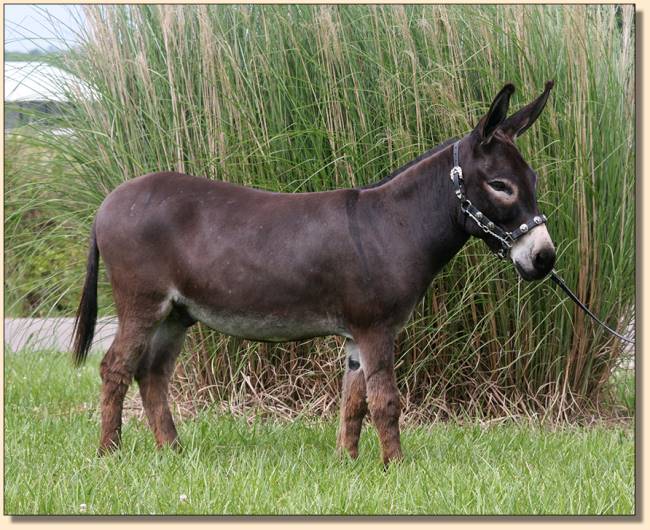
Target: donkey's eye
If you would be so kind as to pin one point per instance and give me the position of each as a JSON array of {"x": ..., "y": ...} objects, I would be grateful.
[{"x": 499, "y": 185}]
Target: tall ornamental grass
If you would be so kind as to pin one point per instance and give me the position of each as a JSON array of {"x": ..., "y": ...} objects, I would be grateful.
[{"x": 306, "y": 98}]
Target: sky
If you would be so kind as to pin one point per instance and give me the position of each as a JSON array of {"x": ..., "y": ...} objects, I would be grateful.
[{"x": 29, "y": 26}]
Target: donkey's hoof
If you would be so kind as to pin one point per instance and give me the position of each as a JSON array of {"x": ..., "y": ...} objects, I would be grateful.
[
  {"x": 343, "y": 452},
  {"x": 106, "y": 449},
  {"x": 352, "y": 454},
  {"x": 394, "y": 458},
  {"x": 174, "y": 445}
]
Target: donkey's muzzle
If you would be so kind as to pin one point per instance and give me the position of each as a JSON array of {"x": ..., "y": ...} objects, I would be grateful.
[
  {"x": 543, "y": 260},
  {"x": 533, "y": 254},
  {"x": 540, "y": 264}
]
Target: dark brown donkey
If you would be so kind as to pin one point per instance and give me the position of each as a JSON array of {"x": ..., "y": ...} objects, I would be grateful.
[{"x": 279, "y": 267}]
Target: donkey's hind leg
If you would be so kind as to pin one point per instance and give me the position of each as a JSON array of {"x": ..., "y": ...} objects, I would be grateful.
[
  {"x": 353, "y": 402},
  {"x": 153, "y": 377},
  {"x": 117, "y": 369}
]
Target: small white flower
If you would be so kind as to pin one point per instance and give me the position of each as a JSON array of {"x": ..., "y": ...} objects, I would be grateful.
[
  {"x": 82, "y": 507},
  {"x": 183, "y": 497}
]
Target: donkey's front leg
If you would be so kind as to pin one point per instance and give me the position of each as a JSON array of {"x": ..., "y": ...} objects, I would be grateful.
[{"x": 377, "y": 355}]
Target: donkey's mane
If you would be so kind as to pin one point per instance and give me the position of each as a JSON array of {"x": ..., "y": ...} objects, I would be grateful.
[{"x": 429, "y": 153}]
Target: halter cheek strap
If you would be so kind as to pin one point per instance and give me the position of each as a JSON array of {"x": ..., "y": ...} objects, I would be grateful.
[{"x": 505, "y": 238}]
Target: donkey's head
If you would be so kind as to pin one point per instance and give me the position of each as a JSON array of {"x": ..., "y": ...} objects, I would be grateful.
[{"x": 501, "y": 186}]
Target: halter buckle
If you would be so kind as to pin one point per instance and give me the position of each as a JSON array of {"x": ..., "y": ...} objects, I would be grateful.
[{"x": 456, "y": 172}]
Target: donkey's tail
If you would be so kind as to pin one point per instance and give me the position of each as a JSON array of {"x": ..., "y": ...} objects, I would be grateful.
[{"x": 84, "y": 324}]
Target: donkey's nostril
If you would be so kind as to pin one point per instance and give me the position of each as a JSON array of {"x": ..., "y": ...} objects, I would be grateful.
[{"x": 544, "y": 259}]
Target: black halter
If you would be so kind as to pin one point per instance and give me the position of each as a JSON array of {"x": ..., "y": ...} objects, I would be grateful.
[{"x": 505, "y": 238}]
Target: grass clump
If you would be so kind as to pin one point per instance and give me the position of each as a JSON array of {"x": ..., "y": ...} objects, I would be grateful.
[{"x": 234, "y": 465}]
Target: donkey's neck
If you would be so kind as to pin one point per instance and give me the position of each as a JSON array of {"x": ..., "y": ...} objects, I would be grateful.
[{"x": 421, "y": 201}]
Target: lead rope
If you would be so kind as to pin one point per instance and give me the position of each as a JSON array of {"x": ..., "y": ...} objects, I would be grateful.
[{"x": 561, "y": 283}]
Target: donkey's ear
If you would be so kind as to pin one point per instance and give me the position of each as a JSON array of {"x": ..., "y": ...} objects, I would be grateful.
[
  {"x": 517, "y": 124},
  {"x": 497, "y": 113}
]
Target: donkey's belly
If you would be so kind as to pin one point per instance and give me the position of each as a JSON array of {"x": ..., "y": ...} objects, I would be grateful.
[{"x": 264, "y": 327}]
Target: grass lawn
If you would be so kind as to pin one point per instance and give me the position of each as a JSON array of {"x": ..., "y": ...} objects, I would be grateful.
[{"x": 232, "y": 467}]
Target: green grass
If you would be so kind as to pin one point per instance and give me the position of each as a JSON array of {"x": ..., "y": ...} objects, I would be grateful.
[
  {"x": 35, "y": 255},
  {"x": 623, "y": 388},
  {"x": 231, "y": 466}
]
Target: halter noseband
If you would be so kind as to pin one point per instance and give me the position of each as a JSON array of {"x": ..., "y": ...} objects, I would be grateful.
[{"x": 505, "y": 238}]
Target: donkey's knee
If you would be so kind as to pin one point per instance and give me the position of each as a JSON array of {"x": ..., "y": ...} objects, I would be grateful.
[
  {"x": 383, "y": 398},
  {"x": 384, "y": 406}
]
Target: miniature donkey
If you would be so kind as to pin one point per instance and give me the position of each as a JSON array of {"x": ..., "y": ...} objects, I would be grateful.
[{"x": 286, "y": 266}]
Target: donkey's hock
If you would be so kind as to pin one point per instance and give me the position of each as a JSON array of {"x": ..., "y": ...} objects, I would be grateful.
[{"x": 278, "y": 267}]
